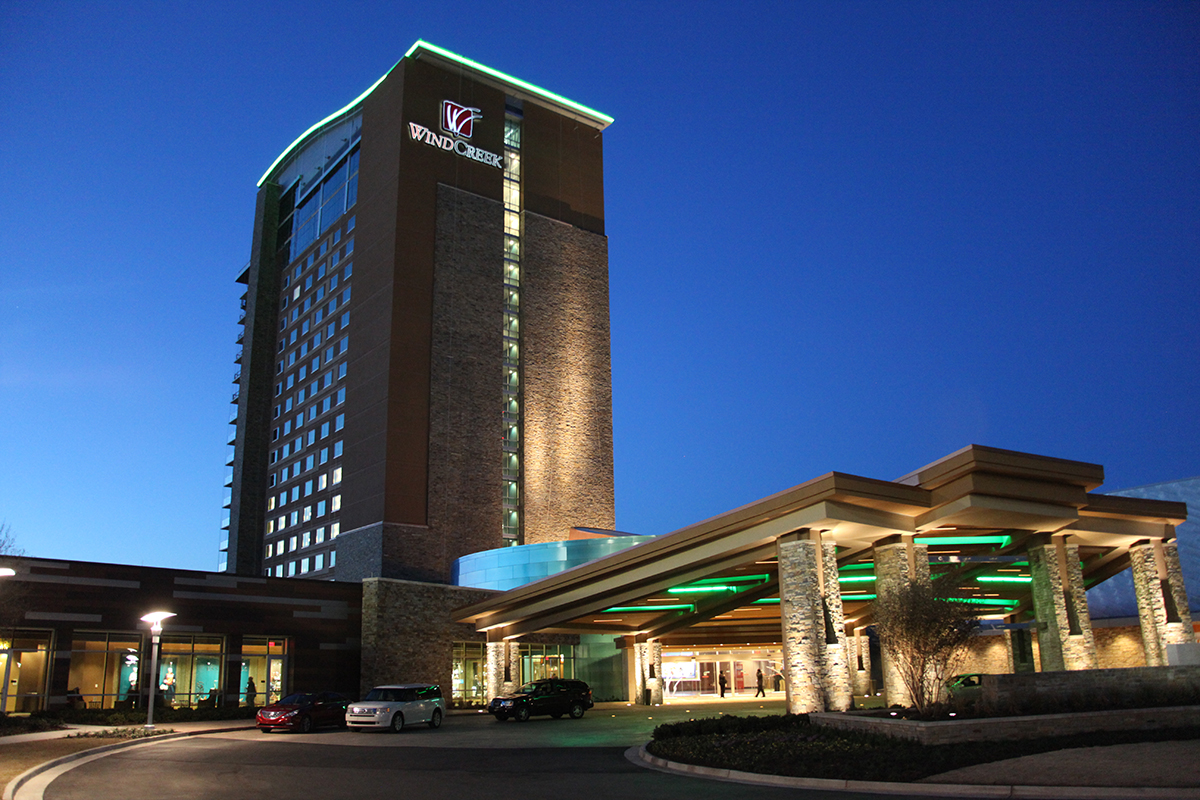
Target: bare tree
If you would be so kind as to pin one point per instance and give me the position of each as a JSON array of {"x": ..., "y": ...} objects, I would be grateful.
[
  {"x": 926, "y": 631},
  {"x": 12, "y": 595}
]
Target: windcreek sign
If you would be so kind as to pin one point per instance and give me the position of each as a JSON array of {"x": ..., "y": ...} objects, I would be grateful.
[{"x": 458, "y": 121}]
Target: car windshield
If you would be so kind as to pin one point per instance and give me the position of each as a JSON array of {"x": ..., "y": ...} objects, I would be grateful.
[
  {"x": 529, "y": 688},
  {"x": 383, "y": 695},
  {"x": 299, "y": 699}
]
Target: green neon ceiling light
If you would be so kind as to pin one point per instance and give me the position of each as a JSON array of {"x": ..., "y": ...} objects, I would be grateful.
[
  {"x": 1003, "y": 541},
  {"x": 1003, "y": 579},
  {"x": 868, "y": 565},
  {"x": 737, "y": 579},
  {"x": 857, "y": 579},
  {"x": 701, "y": 589},
  {"x": 424, "y": 45},
  {"x": 768, "y": 601},
  {"x": 859, "y": 596},
  {"x": 650, "y": 609}
]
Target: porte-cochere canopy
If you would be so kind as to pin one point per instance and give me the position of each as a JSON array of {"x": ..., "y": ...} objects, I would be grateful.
[{"x": 1027, "y": 535}]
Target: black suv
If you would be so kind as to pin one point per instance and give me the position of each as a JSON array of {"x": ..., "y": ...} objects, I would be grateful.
[{"x": 553, "y": 696}]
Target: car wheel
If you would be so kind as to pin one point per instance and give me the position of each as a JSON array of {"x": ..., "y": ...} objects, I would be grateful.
[
  {"x": 577, "y": 710},
  {"x": 436, "y": 720},
  {"x": 397, "y": 722},
  {"x": 501, "y": 717},
  {"x": 522, "y": 714},
  {"x": 306, "y": 725}
]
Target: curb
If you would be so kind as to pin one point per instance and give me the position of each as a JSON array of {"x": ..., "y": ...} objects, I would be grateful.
[
  {"x": 14, "y": 786},
  {"x": 638, "y": 755}
]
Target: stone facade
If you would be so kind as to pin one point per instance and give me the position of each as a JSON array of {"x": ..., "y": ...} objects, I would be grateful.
[
  {"x": 859, "y": 650},
  {"x": 895, "y": 565},
  {"x": 567, "y": 380},
  {"x": 1119, "y": 647},
  {"x": 799, "y": 610},
  {"x": 648, "y": 671},
  {"x": 990, "y": 653},
  {"x": 1161, "y": 599},
  {"x": 1060, "y": 605},
  {"x": 835, "y": 667}
]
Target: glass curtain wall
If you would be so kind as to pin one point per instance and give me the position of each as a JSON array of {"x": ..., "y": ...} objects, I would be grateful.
[
  {"x": 468, "y": 683},
  {"x": 190, "y": 670},
  {"x": 24, "y": 670},
  {"x": 264, "y": 669},
  {"x": 104, "y": 669}
]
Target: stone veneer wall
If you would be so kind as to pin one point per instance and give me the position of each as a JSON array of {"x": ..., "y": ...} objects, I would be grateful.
[
  {"x": 1119, "y": 648},
  {"x": 567, "y": 380},
  {"x": 408, "y": 633},
  {"x": 989, "y": 654},
  {"x": 998, "y": 689}
]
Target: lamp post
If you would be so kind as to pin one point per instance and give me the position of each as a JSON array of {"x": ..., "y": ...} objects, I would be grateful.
[{"x": 155, "y": 618}]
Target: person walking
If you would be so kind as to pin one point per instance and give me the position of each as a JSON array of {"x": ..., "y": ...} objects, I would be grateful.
[
  {"x": 251, "y": 692},
  {"x": 723, "y": 683},
  {"x": 760, "y": 684}
]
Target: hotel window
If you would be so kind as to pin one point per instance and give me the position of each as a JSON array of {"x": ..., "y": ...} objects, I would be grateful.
[
  {"x": 335, "y": 504},
  {"x": 337, "y": 475},
  {"x": 304, "y": 565},
  {"x": 319, "y": 561},
  {"x": 291, "y": 568}
]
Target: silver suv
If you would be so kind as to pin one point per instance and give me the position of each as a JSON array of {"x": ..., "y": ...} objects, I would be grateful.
[{"x": 397, "y": 705}]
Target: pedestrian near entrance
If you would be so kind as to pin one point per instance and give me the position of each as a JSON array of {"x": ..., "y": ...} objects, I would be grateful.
[
  {"x": 723, "y": 683},
  {"x": 251, "y": 692},
  {"x": 760, "y": 691}
]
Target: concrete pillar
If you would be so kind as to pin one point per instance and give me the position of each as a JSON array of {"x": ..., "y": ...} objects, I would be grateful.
[
  {"x": 896, "y": 565},
  {"x": 1060, "y": 604},
  {"x": 802, "y": 622},
  {"x": 503, "y": 672},
  {"x": 835, "y": 655},
  {"x": 1161, "y": 598}
]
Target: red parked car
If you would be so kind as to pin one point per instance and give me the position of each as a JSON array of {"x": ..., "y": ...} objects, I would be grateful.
[{"x": 304, "y": 712}]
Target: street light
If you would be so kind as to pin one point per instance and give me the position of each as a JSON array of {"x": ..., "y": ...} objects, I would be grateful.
[
  {"x": 7, "y": 572},
  {"x": 155, "y": 619}
]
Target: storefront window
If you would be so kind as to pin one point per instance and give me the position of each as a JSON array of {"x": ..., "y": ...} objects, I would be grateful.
[
  {"x": 540, "y": 661},
  {"x": 264, "y": 669},
  {"x": 24, "y": 670},
  {"x": 189, "y": 670},
  {"x": 468, "y": 684},
  {"x": 104, "y": 670}
]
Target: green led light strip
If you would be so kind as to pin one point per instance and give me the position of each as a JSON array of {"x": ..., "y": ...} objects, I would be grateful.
[
  {"x": 737, "y": 579},
  {"x": 1003, "y": 579},
  {"x": 769, "y": 601},
  {"x": 868, "y": 565},
  {"x": 495, "y": 73},
  {"x": 857, "y": 579},
  {"x": 421, "y": 44}
]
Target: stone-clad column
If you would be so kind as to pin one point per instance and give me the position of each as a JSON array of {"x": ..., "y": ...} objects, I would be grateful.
[
  {"x": 1161, "y": 598},
  {"x": 648, "y": 661},
  {"x": 1060, "y": 604},
  {"x": 895, "y": 566},
  {"x": 835, "y": 673},
  {"x": 503, "y": 668},
  {"x": 801, "y": 622},
  {"x": 859, "y": 650}
]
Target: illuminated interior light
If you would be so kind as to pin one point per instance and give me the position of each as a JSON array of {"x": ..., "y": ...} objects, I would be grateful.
[
  {"x": 700, "y": 589},
  {"x": 1003, "y": 541}
]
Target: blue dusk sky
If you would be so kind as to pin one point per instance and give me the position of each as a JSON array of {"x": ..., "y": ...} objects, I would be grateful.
[{"x": 851, "y": 236}]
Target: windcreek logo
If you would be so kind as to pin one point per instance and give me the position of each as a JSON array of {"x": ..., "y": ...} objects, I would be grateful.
[{"x": 459, "y": 122}]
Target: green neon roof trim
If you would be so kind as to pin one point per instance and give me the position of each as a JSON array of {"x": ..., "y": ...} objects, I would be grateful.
[
  {"x": 1003, "y": 579},
  {"x": 603, "y": 119},
  {"x": 868, "y": 565},
  {"x": 651, "y": 609},
  {"x": 344, "y": 109},
  {"x": 495, "y": 73},
  {"x": 1000, "y": 540},
  {"x": 857, "y": 579},
  {"x": 859, "y": 596},
  {"x": 767, "y": 601}
]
